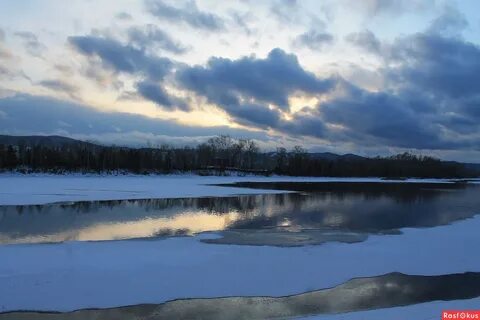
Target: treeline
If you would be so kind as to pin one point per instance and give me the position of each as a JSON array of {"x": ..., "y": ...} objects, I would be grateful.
[
  {"x": 218, "y": 155},
  {"x": 300, "y": 163}
]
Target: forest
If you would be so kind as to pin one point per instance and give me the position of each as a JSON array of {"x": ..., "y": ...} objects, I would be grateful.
[{"x": 218, "y": 156}]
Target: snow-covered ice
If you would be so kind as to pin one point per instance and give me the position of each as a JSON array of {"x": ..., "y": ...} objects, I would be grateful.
[{"x": 17, "y": 189}]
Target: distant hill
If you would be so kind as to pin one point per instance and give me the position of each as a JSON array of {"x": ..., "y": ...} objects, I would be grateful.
[
  {"x": 329, "y": 156},
  {"x": 333, "y": 156},
  {"x": 46, "y": 141}
]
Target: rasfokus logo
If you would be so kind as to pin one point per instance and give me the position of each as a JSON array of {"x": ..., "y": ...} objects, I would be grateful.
[{"x": 460, "y": 314}]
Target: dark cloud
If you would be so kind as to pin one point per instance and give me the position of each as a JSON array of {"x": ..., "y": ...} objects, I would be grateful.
[
  {"x": 122, "y": 58},
  {"x": 59, "y": 85},
  {"x": 382, "y": 118},
  {"x": 52, "y": 116},
  {"x": 241, "y": 20},
  {"x": 430, "y": 98},
  {"x": 244, "y": 87},
  {"x": 151, "y": 36},
  {"x": 394, "y": 7},
  {"x": 254, "y": 115},
  {"x": 134, "y": 61},
  {"x": 270, "y": 80},
  {"x": 380, "y": 6},
  {"x": 154, "y": 92},
  {"x": 314, "y": 40},
  {"x": 65, "y": 70},
  {"x": 464, "y": 122},
  {"x": 123, "y": 16},
  {"x": 445, "y": 66},
  {"x": 102, "y": 77},
  {"x": 189, "y": 14},
  {"x": 305, "y": 123},
  {"x": 33, "y": 46},
  {"x": 286, "y": 11},
  {"x": 5, "y": 73},
  {"x": 366, "y": 40},
  {"x": 450, "y": 23}
]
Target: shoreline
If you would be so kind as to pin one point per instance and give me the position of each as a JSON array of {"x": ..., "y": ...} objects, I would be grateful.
[{"x": 16, "y": 189}]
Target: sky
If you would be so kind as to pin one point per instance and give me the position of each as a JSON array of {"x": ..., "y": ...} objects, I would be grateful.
[{"x": 371, "y": 77}]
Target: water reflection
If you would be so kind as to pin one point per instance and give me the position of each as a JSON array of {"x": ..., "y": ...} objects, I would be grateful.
[{"x": 322, "y": 212}]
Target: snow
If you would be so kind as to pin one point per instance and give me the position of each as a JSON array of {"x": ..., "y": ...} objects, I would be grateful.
[
  {"x": 17, "y": 189},
  {"x": 76, "y": 275}
]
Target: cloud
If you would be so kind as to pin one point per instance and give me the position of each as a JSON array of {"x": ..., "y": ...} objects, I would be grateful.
[
  {"x": 118, "y": 57},
  {"x": 450, "y": 23},
  {"x": 189, "y": 14},
  {"x": 122, "y": 58},
  {"x": 379, "y": 119},
  {"x": 366, "y": 40},
  {"x": 61, "y": 86},
  {"x": 105, "y": 78},
  {"x": 429, "y": 100},
  {"x": 242, "y": 21},
  {"x": 154, "y": 92},
  {"x": 245, "y": 87},
  {"x": 445, "y": 66},
  {"x": 255, "y": 115},
  {"x": 393, "y": 7},
  {"x": 152, "y": 37},
  {"x": 5, "y": 73},
  {"x": 424, "y": 90},
  {"x": 33, "y": 46},
  {"x": 64, "y": 70},
  {"x": 124, "y": 16},
  {"x": 9, "y": 73},
  {"x": 49, "y": 116},
  {"x": 271, "y": 80},
  {"x": 5, "y": 54},
  {"x": 313, "y": 40},
  {"x": 447, "y": 69},
  {"x": 6, "y": 65},
  {"x": 286, "y": 11},
  {"x": 382, "y": 118},
  {"x": 305, "y": 123}
]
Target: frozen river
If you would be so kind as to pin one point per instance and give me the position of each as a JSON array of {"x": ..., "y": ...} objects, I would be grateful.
[{"x": 298, "y": 241}]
